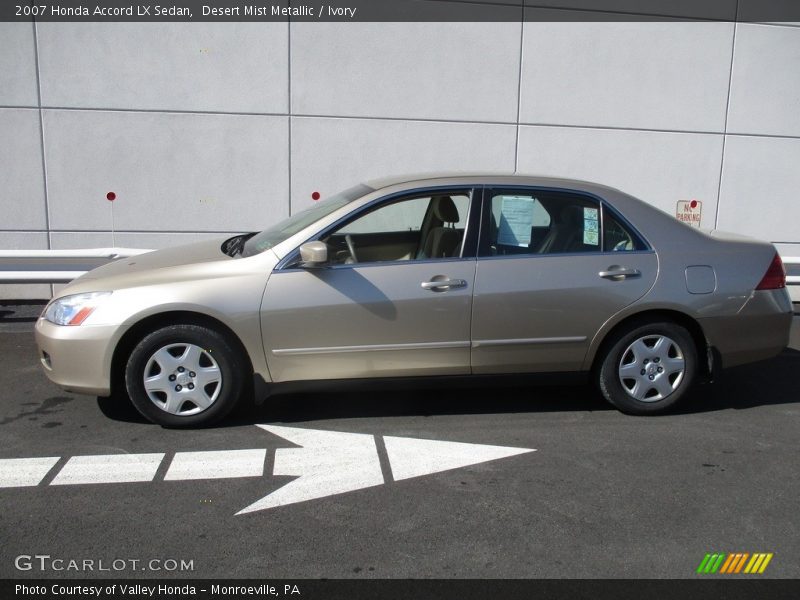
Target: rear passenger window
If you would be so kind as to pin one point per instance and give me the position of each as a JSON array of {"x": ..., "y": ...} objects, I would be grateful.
[
  {"x": 618, "y": 237},
  {"x": 545, "y": 222}
]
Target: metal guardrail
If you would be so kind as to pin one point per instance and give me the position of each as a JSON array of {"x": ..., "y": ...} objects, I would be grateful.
[
  {"x": 792, "y": 265},
  {"x": 56, "y": 266},
  {"x": 62, "y": 266},
  {"x": 792, "y": 261}
]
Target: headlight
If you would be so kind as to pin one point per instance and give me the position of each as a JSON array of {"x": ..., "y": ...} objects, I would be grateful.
[{"x": 73, "y": 310}]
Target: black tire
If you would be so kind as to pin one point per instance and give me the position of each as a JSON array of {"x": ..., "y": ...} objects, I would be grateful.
[
  {"x": 190, "y": 404},
  {"x": 652, "y": 392}
]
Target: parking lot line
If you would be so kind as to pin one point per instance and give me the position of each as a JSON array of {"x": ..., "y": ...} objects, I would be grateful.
[
  {"x": 109, "y": 468},
  {"x": 23, "y": 472},
  {"x": 220, "y": 464}
]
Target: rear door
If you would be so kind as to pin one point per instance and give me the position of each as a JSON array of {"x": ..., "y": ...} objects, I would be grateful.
[{"x": 553, "y": 266}]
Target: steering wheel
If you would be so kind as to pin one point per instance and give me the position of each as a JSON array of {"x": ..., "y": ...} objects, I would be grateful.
[{"x": 351, "y": 247}]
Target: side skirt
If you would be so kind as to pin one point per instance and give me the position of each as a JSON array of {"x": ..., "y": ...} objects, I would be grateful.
[{"x": 263, "y": 389}]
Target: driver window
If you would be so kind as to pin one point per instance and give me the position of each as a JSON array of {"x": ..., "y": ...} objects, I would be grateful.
[{"x": 416, "y": 228}]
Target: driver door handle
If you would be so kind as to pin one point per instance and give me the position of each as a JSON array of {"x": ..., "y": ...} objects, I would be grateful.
[
  {"x": 443, "y": 284},
  {"x": 616, "y": 273}
]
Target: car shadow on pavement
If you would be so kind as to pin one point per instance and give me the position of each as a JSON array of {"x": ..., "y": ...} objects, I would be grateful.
[
  {"x": 120, "y": 408},
  {"x": 425, "y": 402},
  {"x": 765, "y": 383},
  {"x": 298, "y": 407}
]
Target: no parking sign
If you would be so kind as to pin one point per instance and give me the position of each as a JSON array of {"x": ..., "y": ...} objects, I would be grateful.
[{"x": 690, "y": 212}]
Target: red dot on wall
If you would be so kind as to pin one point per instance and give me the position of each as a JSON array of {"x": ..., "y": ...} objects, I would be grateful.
[
  {"x": 315, "y": 196},
  {"x": 111, "y": 196},
  {"x": 693, "y": 204}
]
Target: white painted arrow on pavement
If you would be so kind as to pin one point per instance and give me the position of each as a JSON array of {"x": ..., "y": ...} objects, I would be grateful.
[
  {"x": 326, "y": 463},
  {"x": 329, "y": 462},
  {"x": 333, "y": 462}
]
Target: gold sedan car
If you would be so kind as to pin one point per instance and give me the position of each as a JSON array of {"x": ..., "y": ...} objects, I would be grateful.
[{"x": 443, "y": 276}]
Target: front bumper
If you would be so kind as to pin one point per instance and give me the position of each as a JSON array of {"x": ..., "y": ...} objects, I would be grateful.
[{"x": 76, "y": 358}]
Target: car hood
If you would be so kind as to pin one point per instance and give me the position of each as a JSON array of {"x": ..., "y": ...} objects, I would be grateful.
[{"x": 190, "y": 254}]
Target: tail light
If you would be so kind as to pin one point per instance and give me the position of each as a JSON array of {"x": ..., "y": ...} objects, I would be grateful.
[{"x": 775, "y": 277}]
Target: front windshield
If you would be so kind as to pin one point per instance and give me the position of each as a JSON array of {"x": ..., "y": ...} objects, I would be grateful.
[{"x": 288, "y": 227}]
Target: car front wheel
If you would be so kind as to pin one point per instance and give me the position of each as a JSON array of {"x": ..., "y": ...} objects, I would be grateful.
[
  {"x": 648, "y": 368},
  {"x": 184, "y": 376}
]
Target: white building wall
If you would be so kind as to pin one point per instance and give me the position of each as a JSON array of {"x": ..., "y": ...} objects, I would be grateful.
[{"x": 203, "y": 129}]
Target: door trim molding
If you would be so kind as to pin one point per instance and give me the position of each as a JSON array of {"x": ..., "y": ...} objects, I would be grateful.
[
  {"x": 525, "y": 341},
  {"x": 370, "y": 348}
]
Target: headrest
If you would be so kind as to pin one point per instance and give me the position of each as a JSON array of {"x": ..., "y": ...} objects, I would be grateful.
[
  {"x": 572, "y": 215},
  {"x": 445, "y": 209}
]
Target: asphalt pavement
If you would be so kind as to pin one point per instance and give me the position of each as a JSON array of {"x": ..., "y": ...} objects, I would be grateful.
[{"x": 604, "y": 495}]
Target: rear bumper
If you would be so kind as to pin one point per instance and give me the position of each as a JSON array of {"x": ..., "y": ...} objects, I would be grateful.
[
  {"x": 76, "y": 358},
  {"x": 760, "y": 330}
]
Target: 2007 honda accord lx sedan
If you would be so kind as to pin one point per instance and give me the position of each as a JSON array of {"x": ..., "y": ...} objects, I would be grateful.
[{"x": 437, "y": 277}]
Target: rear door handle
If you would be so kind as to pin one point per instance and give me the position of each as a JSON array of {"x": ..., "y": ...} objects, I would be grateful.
[
  {"x": 440, "y": 285},
  {"x": 616, "y": 273}
]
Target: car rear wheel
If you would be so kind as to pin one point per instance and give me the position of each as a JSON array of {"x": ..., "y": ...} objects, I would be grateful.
[
  {"x": 184, "y": 376},
  {"x": 648, "y": 368}
]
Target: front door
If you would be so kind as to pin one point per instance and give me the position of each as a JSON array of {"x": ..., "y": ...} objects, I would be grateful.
[{"x": 395, "y": 300}]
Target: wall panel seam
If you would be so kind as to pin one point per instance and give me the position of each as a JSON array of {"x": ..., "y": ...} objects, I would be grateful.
[
  {"x": 727, "y": 112},
  {"x": 289, "y": 107},
  {"x": 519, "y": 86},
  {"x": 166, "y": 111},
  {"x": 41, "y": 130},
  {"x": 418, "y": 120}
]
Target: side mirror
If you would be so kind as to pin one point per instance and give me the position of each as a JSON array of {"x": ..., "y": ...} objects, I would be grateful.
[{"x": 313, "y": 254}]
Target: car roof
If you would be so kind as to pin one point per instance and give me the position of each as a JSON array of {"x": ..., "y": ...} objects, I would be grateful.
[{"x": 483, "y": 178}]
